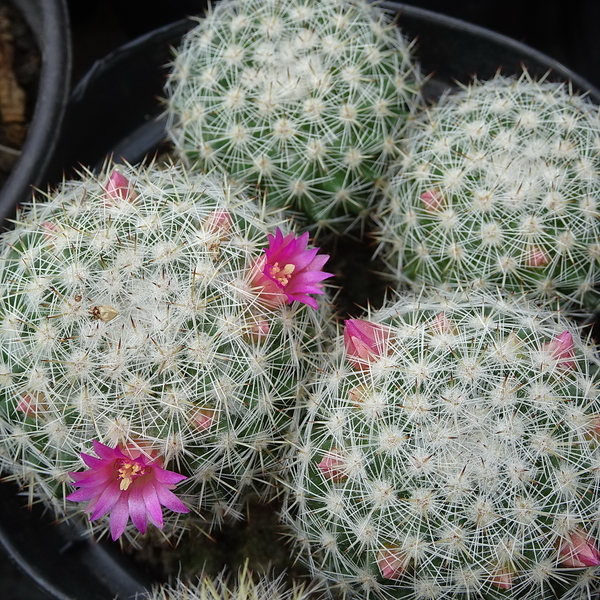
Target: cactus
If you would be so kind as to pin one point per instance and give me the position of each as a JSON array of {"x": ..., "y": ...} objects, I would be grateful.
[
  {"x": 451, "y": 450},
  {"x": 499, "y": 187},
  {"x": 137, "y": 334},
  {"x": 307, "y": 99},
  {"x": 245, "y": 587}
]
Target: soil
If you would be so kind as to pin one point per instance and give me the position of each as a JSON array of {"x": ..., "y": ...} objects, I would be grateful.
[{"x": 20, "y": 66}]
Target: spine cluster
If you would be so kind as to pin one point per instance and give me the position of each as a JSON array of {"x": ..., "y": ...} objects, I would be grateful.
[
  {"x": 130, "y": 328},
  {"x": 245, "y": 587},
  {"x": 498, "y": 186},
  {"x": 308, "y": 100},
  {"x": 450, "y": 450}
]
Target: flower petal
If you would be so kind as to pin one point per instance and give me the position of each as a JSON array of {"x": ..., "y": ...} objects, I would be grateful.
[
  {"x": 137, "y": 507},
  {"x": 153, "y": 507},
  {"x": 119, "y": 516},
  {"x": 169, "y": 500}
]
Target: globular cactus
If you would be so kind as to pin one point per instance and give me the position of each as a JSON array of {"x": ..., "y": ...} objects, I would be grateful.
[
  {"x": 149, "y": 319},
  {"x": 499, "y": 187},
  {"x": 451, "y": 450},
  {"x": 307, "y": 99},
  {"x": 245, "y": 587}
]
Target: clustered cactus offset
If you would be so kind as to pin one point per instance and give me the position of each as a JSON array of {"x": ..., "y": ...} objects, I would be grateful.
[
  {"x": 451, "y": 450},
  {"x": 222, "y": 588},
  {"x": 307, "y": 99},
  {"x": 142, "y": 320},
  {"x": 498, "y": 186}
]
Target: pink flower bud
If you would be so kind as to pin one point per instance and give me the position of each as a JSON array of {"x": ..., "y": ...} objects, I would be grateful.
[
  {"x": 118, "y": 188},
  {"x": 502, "y": 578},
  {"x": 50, "y": 230},
  {"x": 442, "y": 324},
  {"x": 536, "y": 257},
  {"x": 332, "y": 466},
  {"x": 593, "y": 428},
  {"x": 562, "y": 350},
  {"x": 391, "y": 563},
  {"x": 32, "y": 404},
  {"x": 364, "y": 341},
  {"x": 219, "y": 221},
  {"x": 357, "y": 394},
  {"x": 432, "y": 200},
  {"x": 259, "y": 330},
  {"x": 579, "y": 551},
  {"x": 203, "y": 418}
]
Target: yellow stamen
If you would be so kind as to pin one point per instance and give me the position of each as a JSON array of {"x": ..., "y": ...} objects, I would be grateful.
[
  {"x": 128, "y": 471},
  {"x": 282, "y": 274}
]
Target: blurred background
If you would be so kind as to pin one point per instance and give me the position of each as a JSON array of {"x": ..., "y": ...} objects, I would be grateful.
[{"x": 566, "y": 30}]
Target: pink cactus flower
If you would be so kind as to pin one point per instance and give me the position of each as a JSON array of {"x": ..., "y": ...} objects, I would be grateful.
[
  {"x": 32, "y": 404},
  {"x": 536, "y": 257},
  {"x": 259, "y": 330},
  {"x": 364, "y": 342},
  {"x": 432, "y": 200},
  {"x": 333, "y": 467},
  {"x": 127, "y": 484},
  {"x": 502, "y": 578},
  {"x": 204, "y": 418},
  {"x": 219, "y": 221},
  {"x": 287, "y": 271},
  {"x": 562, "y": 350},
  {"x": 118, "y": 188},
  {"x": 579, "y": 551},
  {"x": 391, "y": 563},
  {"x": 441, "y": 324},
  {"x": 50, "y": 229}
]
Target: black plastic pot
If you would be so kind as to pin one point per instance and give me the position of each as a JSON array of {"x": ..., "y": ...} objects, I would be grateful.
[
  {"x": 49, "y": 22},
  {"x": 115, "y": 111}
]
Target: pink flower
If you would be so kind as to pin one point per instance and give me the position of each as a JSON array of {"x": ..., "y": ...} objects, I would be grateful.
[
  {"x": 118, "y": 188},
  {"x": 219, "y": 221},
  {"x": 364, "y": 342},
  {"x": 32, "y": 404},
  {"x": 502, "y": 578},
  {"x": 432, "y": 200},
  {"x": 332, "y": 466},
  {"x": 536, "y": 257},
  {"x": 562, "y": 350},
  {"x": 579, "y": 551},
  {"x": 391, "y": 563},
  {"x": 203, "y": 418},
  {"x": 126, "y": 483},
  {"x": 287, "y": 271},
  {"x": 442, "y": 324}
]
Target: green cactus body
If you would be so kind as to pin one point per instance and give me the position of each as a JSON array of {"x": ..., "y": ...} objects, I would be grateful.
[
  {"x": 127, "y": 317},
  {"x": 245, "y": 587},
  {"x": 499, "y": 186},
  {"x": 306, "y": 99},
  {"x": 458, "y": 458}
]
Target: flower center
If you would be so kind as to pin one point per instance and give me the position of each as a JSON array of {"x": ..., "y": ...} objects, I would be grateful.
[
  {"x": 281, "y": 274},
  {"x": 128, "y": 471}
]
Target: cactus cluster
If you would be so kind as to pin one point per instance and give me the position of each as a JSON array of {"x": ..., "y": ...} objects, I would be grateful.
[
  {"x": 498, "y": 186},
  {"x": 134, "y": 315},
  {"x": 156, "y": 351},
  {"x": 451, "y": 450},
  {"x": 245, "y": 587},
  {"x": 307, "y": 99}
]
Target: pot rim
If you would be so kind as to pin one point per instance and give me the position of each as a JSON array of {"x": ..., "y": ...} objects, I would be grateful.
[{"x": 49, "y": 20}]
